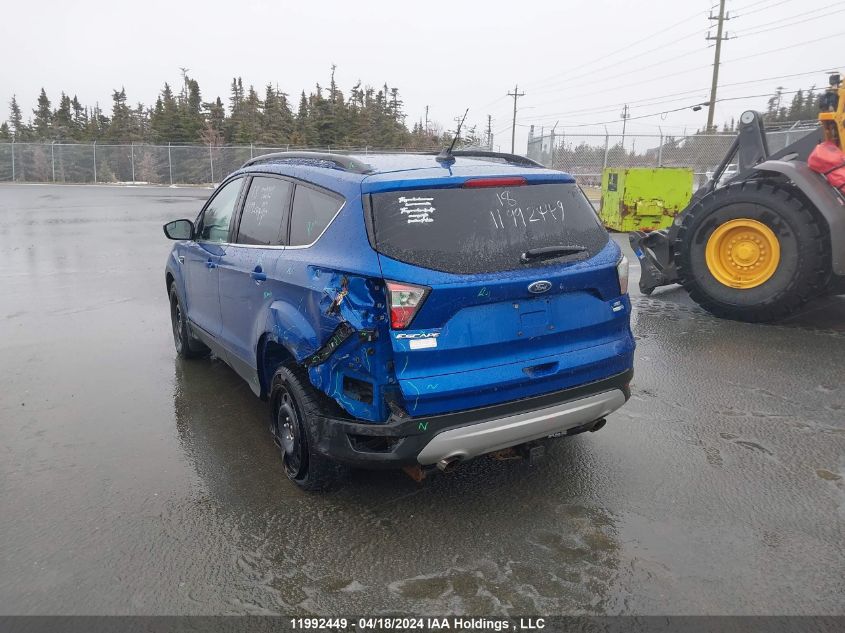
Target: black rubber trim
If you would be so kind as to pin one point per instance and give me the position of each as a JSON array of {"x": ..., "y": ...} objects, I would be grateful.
[
  {"x": 331, "y": 434},
  {"x": 338, "y": 337}
]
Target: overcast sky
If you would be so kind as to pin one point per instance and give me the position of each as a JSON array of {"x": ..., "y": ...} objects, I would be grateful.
[{"x": 577, "y": 61}]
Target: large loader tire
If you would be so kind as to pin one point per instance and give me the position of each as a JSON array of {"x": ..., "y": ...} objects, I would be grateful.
[{"x": 752, "y": 251}]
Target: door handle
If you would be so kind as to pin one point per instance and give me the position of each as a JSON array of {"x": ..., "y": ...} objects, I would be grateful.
[
  {"x": 210, "y": 263},
  {"x": 258, "y": 274}
]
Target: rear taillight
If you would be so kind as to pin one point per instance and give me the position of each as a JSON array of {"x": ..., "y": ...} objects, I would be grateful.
[
  {"x": 478, "y": 183},
  {"x": 622, "y": 273},
  {"x": 404, "y": 300}
]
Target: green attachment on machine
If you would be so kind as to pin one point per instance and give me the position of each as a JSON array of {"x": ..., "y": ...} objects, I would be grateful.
[{"x": 643, "y": 199}]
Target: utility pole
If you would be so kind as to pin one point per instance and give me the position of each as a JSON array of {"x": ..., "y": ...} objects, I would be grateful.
[
  {"x": 719, "y": 29},
  {"x": 624, "y": 116},
  {"x": 516, "y": 94},
  {"x": 426, "y": 119},
  {"x": 489, "y": 132}
]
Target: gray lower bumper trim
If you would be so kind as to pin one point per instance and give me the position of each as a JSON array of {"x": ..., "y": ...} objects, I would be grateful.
[{"x": 493, "y": 435}]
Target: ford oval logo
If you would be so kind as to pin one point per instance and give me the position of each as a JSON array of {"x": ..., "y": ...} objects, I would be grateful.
[{"x": 539, "y": 287}]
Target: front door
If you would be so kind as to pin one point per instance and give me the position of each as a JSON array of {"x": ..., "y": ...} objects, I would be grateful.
[{"x": 202, "y": 258}]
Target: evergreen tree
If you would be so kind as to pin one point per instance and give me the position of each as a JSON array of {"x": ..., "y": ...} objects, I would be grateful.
[
  {"x": 43, "y": 121},
  {"x": 302, "y": 128},
  {"x": 80, "y": 119},
  {"x": 63, "y": 119},
  {"x": 324, "y": 117},
  {"x": 164, "y": 120},
  {"x": 190, "y": 111},
  {"x": 276, "y": 120},
  {"x": 120, "y": 127},
  {"x": 796, "y": 108},
  {"x": 236, "y": 102},
  {"x": 19, "y": 130},
  {"x": 214, "y": 124}
]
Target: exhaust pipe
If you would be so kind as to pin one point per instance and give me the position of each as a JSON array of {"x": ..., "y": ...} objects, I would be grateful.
[
  {"x": 448, "y": 464},
  {"x": 598, "y": 425}
]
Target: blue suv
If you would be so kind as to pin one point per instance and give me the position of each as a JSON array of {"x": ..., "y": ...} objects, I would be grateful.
[{"x": 406, "y": 310}]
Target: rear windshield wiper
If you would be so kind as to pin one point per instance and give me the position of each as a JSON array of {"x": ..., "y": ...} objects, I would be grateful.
[{"x": 550, "y": 251}]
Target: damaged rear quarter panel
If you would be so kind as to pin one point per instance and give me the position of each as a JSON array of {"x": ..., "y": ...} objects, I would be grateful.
[{"x": 318, "y": 288}]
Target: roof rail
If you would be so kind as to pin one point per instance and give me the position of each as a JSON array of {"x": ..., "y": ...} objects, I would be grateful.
[
  {"x": 341, "y": 161},
  {"x": 515, "y": 159}
]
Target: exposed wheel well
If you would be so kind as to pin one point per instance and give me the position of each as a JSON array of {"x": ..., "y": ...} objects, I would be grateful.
[
  {"x": 270, "y": 355},
  {"x": 168, "y": 280}
]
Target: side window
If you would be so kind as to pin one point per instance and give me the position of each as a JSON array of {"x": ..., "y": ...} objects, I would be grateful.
[
  {"x": 218, "y": 213},
  {"x": 310, "y": 215},
  {"x": 265, "y": 212}
]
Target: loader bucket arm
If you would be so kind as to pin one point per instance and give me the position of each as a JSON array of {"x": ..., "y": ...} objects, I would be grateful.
[{"x": 656, "y": 250}]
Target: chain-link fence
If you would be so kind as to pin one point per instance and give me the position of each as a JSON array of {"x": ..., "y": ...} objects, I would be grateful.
[
  {"x": 133, "y": 163},
  {"x": 583, "y": 155},
  {"x": 586, "y": 155}
]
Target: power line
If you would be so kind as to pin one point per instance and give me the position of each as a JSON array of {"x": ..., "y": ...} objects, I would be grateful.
[
  {"x": 641, "y": 68},
  {"x": 789, "y": 24},
  {"x": 786, "y": 48},
  {"x": 555, "y": 86},
  {"x": 653, "y": 114},
  {"x": 623, "y": 49},
  {"x": 791, "y": 17},
  {"x": 661, "y": 99},
  {"x": 738, "y": 12}
]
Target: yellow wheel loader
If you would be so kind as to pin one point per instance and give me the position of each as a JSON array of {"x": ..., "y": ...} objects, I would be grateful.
[{"x": 758, "y": 245}]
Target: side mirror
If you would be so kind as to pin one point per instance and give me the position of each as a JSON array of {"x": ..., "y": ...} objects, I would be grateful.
[{"x": 179, "y": 230}]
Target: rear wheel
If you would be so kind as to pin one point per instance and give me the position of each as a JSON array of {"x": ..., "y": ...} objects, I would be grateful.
[
  {"x": 294, "y": 403},
  {"x": 751, "y": 251}
]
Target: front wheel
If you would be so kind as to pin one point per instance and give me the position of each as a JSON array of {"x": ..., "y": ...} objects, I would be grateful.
[
  {"x": 751, "y": 251},
  {"x": 186, "y": 345},
  {"x": 294, "y": 404}
]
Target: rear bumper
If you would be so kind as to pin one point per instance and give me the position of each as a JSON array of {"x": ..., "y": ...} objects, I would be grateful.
[{"x": 428, "y": 439}]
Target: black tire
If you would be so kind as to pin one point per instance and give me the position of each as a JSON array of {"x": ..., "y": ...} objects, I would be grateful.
[
  {"x": 801, "y": 272},
  {"x": 186, "y": 345},
  {"x": 293, "y": 403}
]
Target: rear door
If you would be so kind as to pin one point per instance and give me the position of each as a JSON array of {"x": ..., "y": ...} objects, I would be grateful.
[
  {"x": 247, "y": 265},
  {"x": 519, "y": 296}
]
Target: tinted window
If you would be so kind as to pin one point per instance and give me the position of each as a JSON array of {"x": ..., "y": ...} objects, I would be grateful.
[
  {"x": 311, "y": 213},
  {"x": 265, "y": 212},
  {"x": 484, "y": 230},
  {"x": 218, "y": 213}
]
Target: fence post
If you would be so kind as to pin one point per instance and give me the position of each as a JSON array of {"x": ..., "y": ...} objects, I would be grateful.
[
  {"x": 250, "y": 151},
  {"x": 660, "y": 149},
  {"x": 13, "y": 160},
  {"x": 606, "y": 148},
  {"x": 169, "y": 164},
  {"x": 53, "y": 158},
  {"x": 132, "y": 159},
  {"x": 95, "y": 161},
  {"x": 211, "y": 161}
]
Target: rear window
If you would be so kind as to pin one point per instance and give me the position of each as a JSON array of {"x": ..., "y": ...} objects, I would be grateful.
[
  {"x": 312, "y": 212},
  {"x": 485, "y": 230}
]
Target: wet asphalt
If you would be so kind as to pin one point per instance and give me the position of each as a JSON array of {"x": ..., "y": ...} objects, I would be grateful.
[{"x": 132, "y": 482}]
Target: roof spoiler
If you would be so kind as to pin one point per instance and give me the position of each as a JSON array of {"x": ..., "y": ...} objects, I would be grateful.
[{"x": 514, "y": 159}]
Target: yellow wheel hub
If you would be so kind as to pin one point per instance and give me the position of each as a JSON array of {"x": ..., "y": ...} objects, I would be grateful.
[{"x": 742, "y": 253}]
